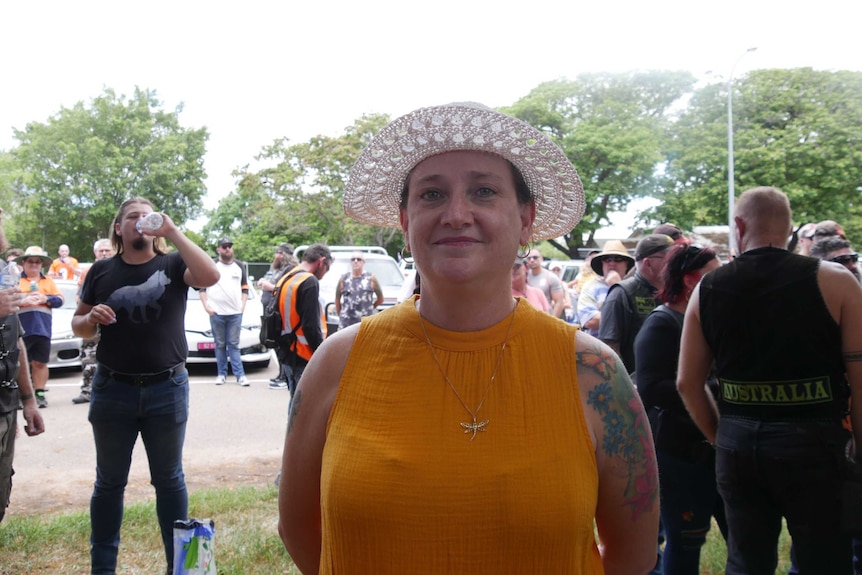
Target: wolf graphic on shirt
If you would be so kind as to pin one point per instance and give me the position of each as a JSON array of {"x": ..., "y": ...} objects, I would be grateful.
[{"x": 138, "y": 298}]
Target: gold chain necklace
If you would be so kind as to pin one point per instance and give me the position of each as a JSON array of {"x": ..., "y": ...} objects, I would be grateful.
[{"x": 476, "y": 426}]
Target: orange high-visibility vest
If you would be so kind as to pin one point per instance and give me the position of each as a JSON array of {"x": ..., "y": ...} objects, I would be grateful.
[{"x": 290, "y": 320}]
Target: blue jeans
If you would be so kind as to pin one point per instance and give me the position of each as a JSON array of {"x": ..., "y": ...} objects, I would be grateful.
[
  {"x": 689, "y": 501},
  {"x": 292, "y": 375},
  {"x": 768, "y": 470},
  {"x": 120, "y": 411},
  {"x": 226, "y": 330}
]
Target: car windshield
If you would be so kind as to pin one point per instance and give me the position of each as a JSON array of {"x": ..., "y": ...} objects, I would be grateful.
[{"x": 385, "y": 270}]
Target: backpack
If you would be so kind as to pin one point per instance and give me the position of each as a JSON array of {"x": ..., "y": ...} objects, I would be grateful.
[{"x": 271, "y": 320}]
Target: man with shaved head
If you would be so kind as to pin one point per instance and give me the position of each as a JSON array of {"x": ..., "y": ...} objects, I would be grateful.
[{"x": 777, "y": 423}]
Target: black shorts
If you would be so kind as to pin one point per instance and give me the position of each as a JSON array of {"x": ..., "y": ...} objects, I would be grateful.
[{"x": 38, "y": 347}]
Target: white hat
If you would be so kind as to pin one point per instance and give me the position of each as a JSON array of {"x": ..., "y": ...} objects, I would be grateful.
[{"x": 373, "y": 192}]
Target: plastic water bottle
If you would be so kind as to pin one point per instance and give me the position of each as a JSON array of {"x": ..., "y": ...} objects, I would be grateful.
[
  {"x": 150, "y": 222},
  {"x": 10, "y": 276}
]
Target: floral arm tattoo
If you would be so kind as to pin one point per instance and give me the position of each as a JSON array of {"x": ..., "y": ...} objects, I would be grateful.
[
  {"x": 294, "y": 409},
  {"x": 626, "y": 434}
]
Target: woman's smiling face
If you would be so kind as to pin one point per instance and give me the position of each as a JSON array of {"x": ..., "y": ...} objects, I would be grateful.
[{"x": 462, "y": 219}]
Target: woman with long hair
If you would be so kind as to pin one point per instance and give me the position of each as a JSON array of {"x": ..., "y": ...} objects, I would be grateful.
[{"x": 686, "y": 462}]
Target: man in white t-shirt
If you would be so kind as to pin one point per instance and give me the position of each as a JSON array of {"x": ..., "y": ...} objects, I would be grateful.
[
  {"x": 546, "y": 281},
  {"x": 225, "y": 302}
]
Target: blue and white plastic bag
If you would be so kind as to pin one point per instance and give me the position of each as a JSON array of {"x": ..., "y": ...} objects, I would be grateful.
[{"x": 194, "y": 547}]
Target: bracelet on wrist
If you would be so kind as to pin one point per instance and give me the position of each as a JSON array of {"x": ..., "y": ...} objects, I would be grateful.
[{"x": 24, "y": 397}]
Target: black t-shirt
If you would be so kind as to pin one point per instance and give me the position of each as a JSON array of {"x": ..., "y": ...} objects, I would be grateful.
[
  {"x": 150, "y": 302},
  {"x": 10, "y": 327}
]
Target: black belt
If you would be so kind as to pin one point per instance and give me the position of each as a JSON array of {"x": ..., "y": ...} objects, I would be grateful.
[{"x": 140, "y": 379}]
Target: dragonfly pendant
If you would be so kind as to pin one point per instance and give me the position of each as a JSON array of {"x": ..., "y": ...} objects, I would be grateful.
[{"x": 474, "y": 427}]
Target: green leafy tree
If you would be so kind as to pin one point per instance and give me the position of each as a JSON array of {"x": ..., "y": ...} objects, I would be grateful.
[
  {"x": 613, "y": 128},
  {"x": 297, "y": 198},
  {"x": 80, "y": 165},
  {"x": 799, "y": 130}
]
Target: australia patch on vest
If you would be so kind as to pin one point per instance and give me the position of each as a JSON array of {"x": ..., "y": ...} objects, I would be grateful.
[{"x": 785, "y": 393}]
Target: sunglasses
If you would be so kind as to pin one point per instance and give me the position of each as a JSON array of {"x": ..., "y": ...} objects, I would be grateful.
[
  {"x": 357, "y": 260},
  {"x": 845, "y": 259},
  {"x": 615, "y": 259},
  {"x": 34, "y": 262},
  {"x": 533, "y": 257}
]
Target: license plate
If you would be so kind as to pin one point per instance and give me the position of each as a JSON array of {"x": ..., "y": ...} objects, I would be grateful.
[{"x": 206, "y": 345}]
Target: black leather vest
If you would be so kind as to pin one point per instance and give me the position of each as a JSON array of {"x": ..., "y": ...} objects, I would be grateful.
[{"x": 777, "y": 348}]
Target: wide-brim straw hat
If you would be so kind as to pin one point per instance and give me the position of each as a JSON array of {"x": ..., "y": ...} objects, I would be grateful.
[
  {"x": 34, "y": 252},
  {"x": 611, "y": 248},
  {"x": 373, "y": 192}
]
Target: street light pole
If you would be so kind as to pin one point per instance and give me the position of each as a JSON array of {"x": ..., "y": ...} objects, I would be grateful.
[{"x": 731, "y": 192}]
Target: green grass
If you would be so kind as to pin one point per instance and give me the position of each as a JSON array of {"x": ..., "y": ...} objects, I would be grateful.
[
  {"x": 246, "y": 540},
  {"x": 714, "y": 553}
]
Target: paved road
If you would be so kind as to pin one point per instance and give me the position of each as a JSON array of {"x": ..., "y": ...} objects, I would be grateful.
[{"x": 234, "y": 436}]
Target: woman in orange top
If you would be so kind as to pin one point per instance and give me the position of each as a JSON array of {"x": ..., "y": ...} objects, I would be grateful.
[{"x": 464, "y": 431}]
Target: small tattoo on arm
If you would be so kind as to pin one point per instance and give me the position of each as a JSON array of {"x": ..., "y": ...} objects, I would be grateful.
[
  {"x": 294, "y": 409},
  {"x": 626, "y": 434},
  {"x": 853, "y": 356}
]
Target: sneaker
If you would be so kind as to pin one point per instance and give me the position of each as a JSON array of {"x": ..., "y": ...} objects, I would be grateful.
[
  {"x": 278, "y": 379},
  {"x": 83, "y": 398},
  {"x": 220, "y": 380},
  {"x": 278, "y": 384},
  {"x": 242, "y": 381},
  {"x": 40, "y": 398}
]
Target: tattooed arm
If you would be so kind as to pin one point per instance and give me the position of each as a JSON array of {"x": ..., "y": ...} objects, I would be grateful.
[
  {"x": 628, "y": 505},
  {"x": 299, "y": 489},
  {"x": 695, "y": 360},
  {"x": 843, "y": 296}
]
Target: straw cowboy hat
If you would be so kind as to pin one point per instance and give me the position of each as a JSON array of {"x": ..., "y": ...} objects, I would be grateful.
[
  {"x": 611, "y": 248},
  {"x": 373, "y": 192},
  {"x": 34, "y": 252}
]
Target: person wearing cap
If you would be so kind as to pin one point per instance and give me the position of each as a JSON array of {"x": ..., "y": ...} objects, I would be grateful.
[
  {"x": 416, "y": 435},
  {"x": 520, "y": 287},
  {"x": 778, "y": 422},
  {"x": 670, "y": 230},
  {"x": 137, "y": 301},
  {"x": 282, "y": 260},
  {"x": 225, "y": 302},
  {"x": 610, "y": 266},
  {"x": 631, "y": 301},
  {"x": 16, "y": 388},
  {"x": 39, "y": 295},
  {"x": 838, "y": 250},
  {"x": 550, "y": 284},
  {"x": 806, "y": 238},
  {"x": 827, "y": 229}
]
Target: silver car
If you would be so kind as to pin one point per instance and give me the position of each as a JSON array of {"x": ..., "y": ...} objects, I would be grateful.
[
  {"x": 65, "y": 345},
  {"x": 199, "y": 335}
]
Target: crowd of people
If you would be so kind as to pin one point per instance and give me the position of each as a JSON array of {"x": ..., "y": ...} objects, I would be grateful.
[{"x": 497, "y": 418}]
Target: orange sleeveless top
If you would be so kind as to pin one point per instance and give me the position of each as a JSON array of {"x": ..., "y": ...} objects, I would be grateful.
[{"x": 405, "y": 490}]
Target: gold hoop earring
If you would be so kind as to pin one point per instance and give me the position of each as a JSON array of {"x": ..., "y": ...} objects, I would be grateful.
[
  {"x": 408, "y": 259},
  {"x": 527, "y": 249}
]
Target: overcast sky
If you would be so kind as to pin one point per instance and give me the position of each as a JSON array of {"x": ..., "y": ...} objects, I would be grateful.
[{"x": 255, "y": 71}]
